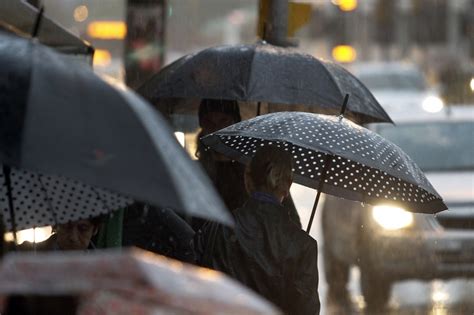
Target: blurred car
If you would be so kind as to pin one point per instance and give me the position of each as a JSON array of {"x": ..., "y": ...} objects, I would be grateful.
[
  {"x": 399, "y": 87},
  {"x": 390, "y": 245}
]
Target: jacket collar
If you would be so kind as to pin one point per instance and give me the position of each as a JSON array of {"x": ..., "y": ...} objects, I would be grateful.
[{"x": 265, "y": 197}]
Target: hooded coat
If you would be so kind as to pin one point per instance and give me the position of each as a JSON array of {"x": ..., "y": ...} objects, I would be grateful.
[{"x": 267, "y": 252}]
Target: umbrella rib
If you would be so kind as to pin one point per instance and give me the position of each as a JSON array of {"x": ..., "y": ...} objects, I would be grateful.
[
  {"x": 106, "y": 206},
  {"x": 332, "y": 79},
  {"x": 48, "y": 200},
  {"x": 250, "y": 72},
  {"x": 8, "y": 186}
]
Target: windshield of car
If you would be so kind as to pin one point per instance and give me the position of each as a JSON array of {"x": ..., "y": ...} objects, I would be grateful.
[
  {"x": 393, "y": 81},
  {"x": 435, "y": 146}
]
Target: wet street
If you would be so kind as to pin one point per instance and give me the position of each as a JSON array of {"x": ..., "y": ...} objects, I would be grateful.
[{"x": 407, "y": 298}]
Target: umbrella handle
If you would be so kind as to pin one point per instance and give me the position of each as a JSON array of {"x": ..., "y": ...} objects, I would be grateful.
[
  {"x": 8, "y": 184},
  {"x": 308, "y": 229},
  {"x": 327, "y": 163}
]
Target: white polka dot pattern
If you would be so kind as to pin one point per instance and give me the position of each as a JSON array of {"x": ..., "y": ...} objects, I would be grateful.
[
  {"x": 363, "y": 165},
  {"x": 41, "y": 200}
]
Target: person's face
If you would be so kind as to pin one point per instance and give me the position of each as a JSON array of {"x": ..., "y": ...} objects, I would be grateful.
[
  {"x": 214, "y": 121},
  {"x": 75, "y": 235}
]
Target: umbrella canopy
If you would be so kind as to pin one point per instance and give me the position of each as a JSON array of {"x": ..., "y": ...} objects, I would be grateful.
[
  {"x": 264, "y": 73},
  {"x": 41, "y": 200},
  {"x": 57, "y": 118},
  {"x": 353, "y": 162},
  {"x": 128, "y": 278}
]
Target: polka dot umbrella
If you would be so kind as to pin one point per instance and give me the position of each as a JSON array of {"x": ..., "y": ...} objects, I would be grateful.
[
  {"x": 334, "y": 156},
  {"x": 40, "y": 200}
]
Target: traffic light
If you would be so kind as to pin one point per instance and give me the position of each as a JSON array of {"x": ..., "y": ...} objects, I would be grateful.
[
  {"x": 107, "y": 30},
  {"x": 344, "y": 53},
  {"x": 346, "y": 5}
]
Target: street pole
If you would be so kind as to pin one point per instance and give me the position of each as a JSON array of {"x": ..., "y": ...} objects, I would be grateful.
[
  {"x": 453, "y": 25},
  {"x": 403, "y": 27},
  {"x": 364, "y": 35},
  {"x": 277, "y": 27}
]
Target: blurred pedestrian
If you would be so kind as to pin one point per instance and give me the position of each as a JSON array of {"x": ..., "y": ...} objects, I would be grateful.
[
  {"x": 266, "y": 250},
  {"x": 227, "y": 175},
  {"x": 76, "y": 235}
]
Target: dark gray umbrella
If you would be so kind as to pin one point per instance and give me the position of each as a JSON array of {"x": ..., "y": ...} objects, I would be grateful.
[
  {"x": 57, "y": 118},
  {"x": 263, "y": 73},
  {"x": 335, "y": 156}
]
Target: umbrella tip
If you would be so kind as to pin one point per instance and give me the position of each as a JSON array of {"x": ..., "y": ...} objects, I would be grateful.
[{"x": 344, "y": 105}]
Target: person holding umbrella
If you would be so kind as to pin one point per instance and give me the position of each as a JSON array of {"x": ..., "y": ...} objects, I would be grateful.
[
  {"x": 266, "y": 250},
  {"x": 226, "y": 174}
]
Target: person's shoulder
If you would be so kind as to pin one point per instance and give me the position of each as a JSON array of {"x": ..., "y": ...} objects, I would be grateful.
[
  {"x": 303, "y": 238},
  {"x": 255, "y": 206}
]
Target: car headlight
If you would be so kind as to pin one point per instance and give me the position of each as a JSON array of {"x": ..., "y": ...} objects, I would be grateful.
[
  {"x": 433, "y": 104},
  {"x": 392, "y": 218}
]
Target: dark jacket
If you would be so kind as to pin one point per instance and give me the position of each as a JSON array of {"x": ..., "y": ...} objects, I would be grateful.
[
  {"x": 267, "y": 252},
  {"x": 228, "y": 179},
  {"x": 159, "y": 230}
]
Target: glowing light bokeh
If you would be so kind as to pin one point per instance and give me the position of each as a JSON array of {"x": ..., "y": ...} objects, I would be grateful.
[
  {"x": 433, "y": 104},
  {"x": 392, "y": 218},
  {"x": 181, "y": 138},
  {"x": 34, "y": 235},
  {"x": 344, "y": 53},
  {"x": 81, "y": 13}
]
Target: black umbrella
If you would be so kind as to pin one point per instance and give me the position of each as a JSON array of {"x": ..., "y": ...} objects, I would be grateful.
[
  {"x": 334, "y": 156},
  {"x": 263, "y": 73},
  {"x": 58, "y": 119}
]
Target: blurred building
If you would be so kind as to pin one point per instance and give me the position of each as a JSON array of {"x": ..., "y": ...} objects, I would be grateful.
[
  {"x": 434, "y": 34},
  {"x": 134, "y": 38}
]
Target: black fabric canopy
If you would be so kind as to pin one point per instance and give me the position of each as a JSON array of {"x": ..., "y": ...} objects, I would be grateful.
[
  {"x": 57, "y": 118},
  {"x": 357, "y": 163},
  {"x": 263, "y": 73}
]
